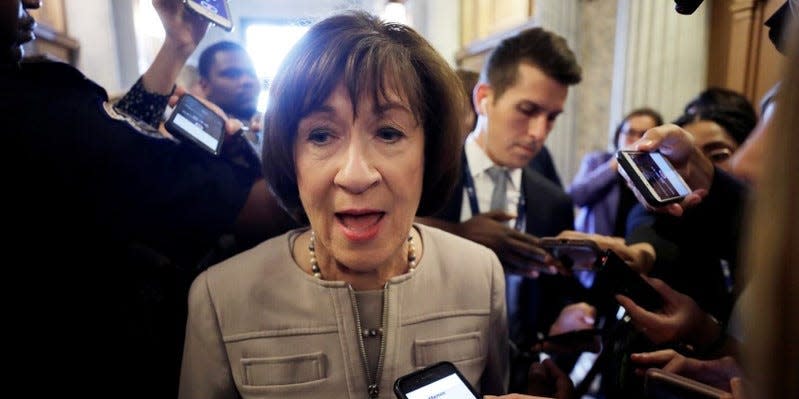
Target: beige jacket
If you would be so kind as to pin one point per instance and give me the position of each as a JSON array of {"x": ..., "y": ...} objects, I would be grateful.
[{"x": 260, "y": 327}]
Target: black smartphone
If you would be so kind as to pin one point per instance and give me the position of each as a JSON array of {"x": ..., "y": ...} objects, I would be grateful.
[
  {"x": 653, "y": 176},
  {"x": 572, "y": 342},
  {"x": 191, "y": 119},
  {"x": 440, "y": 381},
  {"x": 575, "y": 254},
  {"x": 216, "y": 11},
  {"x": 615, "y": 277},
  {"x": 660, "y": 384}
]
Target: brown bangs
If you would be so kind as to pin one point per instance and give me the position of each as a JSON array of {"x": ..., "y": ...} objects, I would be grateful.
[{"x": 382, "y": 70}]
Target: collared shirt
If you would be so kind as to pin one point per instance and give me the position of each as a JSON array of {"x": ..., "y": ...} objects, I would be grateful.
[{"x": 479, "y": 162}]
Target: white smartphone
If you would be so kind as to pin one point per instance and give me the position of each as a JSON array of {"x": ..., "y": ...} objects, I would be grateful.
[
  {"x": 654, "y": 177},
  {"x": 216, "y": 11}
]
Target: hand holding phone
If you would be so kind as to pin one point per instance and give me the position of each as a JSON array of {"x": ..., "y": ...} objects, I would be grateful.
[
  {"x": 216, "y": 11},
  {"x": 661, "y": 384},
  {"x": 615, "y": 277},
  {"x": 194, "y": 121},
  {"x": 653, "y": 177},
  {"x": 440, "y": 381},
  {"x": 573, "y": 253}
]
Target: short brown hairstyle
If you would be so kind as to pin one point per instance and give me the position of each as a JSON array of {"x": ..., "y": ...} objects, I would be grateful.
[
  {"x": 540, "y": 48},
  {"x": 369, "y": 57}
]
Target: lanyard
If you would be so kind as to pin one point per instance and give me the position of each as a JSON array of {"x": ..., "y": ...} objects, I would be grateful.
[{"x": 468, "y": 182}]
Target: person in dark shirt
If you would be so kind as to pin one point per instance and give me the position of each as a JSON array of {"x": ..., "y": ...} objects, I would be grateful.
[{"x": 107, "y": 217}]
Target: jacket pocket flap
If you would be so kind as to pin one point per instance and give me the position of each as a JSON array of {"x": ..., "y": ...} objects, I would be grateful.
[
  {"x": 455, "y": 348},
  {"x": 285, "y": 370}
]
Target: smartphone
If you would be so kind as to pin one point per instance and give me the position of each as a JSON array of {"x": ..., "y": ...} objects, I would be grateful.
[
  {"x": 572, "y": 342},
  {"x": 575, "y": 254},
  {"x": 216, "y": 11},
  {"x": 440, "y": 381},
  {"x": 194, "y": 121},
  {"x": 653, "y": 176},
  {"x": 660, "y": 384},
  {"x": 615, "y": 277}
]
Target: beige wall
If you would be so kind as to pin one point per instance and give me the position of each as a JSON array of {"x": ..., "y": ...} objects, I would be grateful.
[
  {"x": 91, "y": 22},
  {"x": 596, "y": 51}
]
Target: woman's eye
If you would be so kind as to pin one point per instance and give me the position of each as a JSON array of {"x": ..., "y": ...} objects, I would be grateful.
[
  {"x": 319, "y": 137},
  {"x": 720, "y": 155},
  {"x": 389, "y": 135}
]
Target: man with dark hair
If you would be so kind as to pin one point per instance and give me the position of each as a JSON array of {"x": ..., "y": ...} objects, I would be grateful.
[
  {"x": 228, "y": 79},
  {"x": 502, "y": 202}
]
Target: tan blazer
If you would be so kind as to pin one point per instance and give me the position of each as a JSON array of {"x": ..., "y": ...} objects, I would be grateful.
[{"x": 260, "y": 327}]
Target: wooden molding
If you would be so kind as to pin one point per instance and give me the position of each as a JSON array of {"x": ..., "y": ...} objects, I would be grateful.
[
  {"x": 743, "y": 5},
  {"x": 43, "y": 32},
  {"x": 54, "y": 45},
  {"x": 486, "y": 44}
]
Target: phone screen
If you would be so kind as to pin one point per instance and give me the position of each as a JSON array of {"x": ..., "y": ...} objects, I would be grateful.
[
  {"x": 448, "y": 387},
  {"x": 199, "y": 123},
  {"x": 659, "y": 175}
]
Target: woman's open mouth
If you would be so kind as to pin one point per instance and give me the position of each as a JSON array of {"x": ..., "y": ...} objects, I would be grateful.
[{"x": 360, "y": 225}]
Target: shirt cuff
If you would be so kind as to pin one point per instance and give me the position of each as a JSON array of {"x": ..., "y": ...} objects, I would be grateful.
[{"x": 143, "y": 105}]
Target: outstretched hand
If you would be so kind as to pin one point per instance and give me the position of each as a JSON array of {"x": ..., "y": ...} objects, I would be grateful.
[
  {"x": 547, "y": 379},
  {"x": 574, "y": 317},
  {"x": 518, "y": 251},
  {"x": 680, "y": 318},
  {"x": 640, "y": 256},
  {"x": 232, "y": 125},
  {"x": 715, "y": 372},
  {"x": 678, "y": 147},
  {"x": 183, "y": 28}
]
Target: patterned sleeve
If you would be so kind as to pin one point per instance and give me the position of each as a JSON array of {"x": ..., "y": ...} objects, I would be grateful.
[{"x": 143, "y": 105}]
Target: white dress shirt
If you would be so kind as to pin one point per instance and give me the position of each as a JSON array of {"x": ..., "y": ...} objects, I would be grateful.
[{"x": 479, "y": 162}]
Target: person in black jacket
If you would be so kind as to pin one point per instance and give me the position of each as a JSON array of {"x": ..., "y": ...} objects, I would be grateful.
[
  {"x": 501, "y": 202},
  {"x": 108, "y": 217}
]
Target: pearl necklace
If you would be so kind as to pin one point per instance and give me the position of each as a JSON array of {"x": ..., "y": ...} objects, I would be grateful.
[{"x": 315, "y": 264}]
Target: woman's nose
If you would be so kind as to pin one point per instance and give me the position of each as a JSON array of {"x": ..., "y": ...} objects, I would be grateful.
[{"x": 357, "y": 173}]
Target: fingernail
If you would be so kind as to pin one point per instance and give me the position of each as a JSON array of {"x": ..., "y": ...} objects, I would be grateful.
[{"x": 588, "y": 319}]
